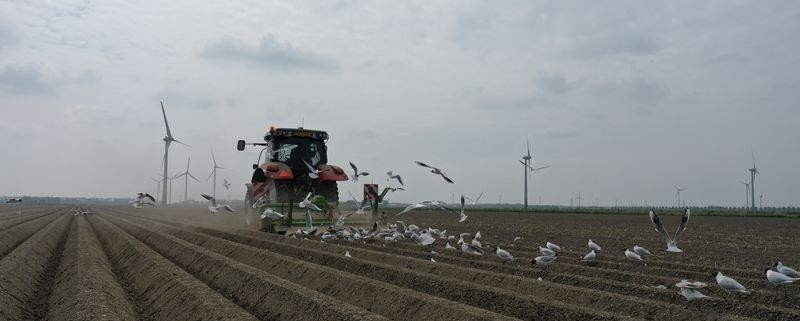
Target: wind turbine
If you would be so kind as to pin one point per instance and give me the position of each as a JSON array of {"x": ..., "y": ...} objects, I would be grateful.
[
  {"x": 746, "y": 194},
  {"x": 186, "y": 174},
  {"x": 214, "y": 173},
  {"x": 526, "y": 163},
  {"x": 753, "y": 172},
  {"x": 579, "y": 198},
  {"x": 678, "y": 191},
  {"x": 167, "y": 141},
  {"x": 760, "y": 200},
  {"x": 158, "y": 185}
]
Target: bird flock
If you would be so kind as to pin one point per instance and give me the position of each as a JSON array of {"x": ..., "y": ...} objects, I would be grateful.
[{"x": 470, "y": 244}]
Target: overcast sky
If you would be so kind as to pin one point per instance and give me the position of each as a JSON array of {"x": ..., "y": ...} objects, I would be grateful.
[{"x": 622, "y": 98}]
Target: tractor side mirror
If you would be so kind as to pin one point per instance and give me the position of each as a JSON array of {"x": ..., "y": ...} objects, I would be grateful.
[{"x": 240, "y": 145}]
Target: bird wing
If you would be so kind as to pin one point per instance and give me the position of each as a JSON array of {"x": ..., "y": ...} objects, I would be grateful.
[
  {"x": 410, "y": 208},
  {"x": 311, "y": 168},
  {"x": 659, "y": 227},
  {"x": 228, "y": 207},
  {"x": 206, "y": 196},
  {"x": 400, "y": 179},
  {"x": 447, "y": 179},
  {"x": 422, "y": 164},
  {"x": 150, "y": 197},
  {"x": 355, "y": 169},
  {"x": 682, "y": 227}
]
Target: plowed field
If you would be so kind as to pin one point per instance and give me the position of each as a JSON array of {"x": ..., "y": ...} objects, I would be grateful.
[{"x": 183, "y": 264}]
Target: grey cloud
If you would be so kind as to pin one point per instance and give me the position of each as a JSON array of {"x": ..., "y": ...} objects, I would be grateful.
[
  {"x": 555, "y": 83},
  {"x": 270, "y": 53},
  {"x": 25, "y": 80},
  {"x": 614, "y": 44},
  {"x": 8, "y": 36}
]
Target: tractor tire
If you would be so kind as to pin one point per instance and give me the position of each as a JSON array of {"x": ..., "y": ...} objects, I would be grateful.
[
  {"x": 329, "y": 190},
  {"x": 283, "y": 190}
]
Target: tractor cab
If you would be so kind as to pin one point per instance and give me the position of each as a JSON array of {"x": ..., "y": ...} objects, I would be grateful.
[{"x": 296, "y": 147}]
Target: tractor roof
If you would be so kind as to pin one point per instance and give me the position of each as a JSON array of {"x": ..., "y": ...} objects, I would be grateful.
[{"x": 296, "y": 132}]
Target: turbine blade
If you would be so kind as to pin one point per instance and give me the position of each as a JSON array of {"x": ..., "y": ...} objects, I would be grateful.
[
  {"x": 169, "y": 134},
  {"x": 192, "y": 176},
  {"x": 212, "y": 174},
  {"x": 213, "y": 158},
  {"x": 528, "y": 142},
  {"x": 180, "y": 142}
]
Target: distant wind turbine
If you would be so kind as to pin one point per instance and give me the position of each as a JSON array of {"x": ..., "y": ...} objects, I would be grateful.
[
  {"x": 158, "y": 185},
  {"x": 753, "y": 172},
  {"x": 579, "y": 198},
  {"x": 528, "y": 168},
  {"x": 186, "y": 175},
  {"x": 678, "y": 191},
  {"x": 167, "y": 141},
  {"x": 746, "y": 194},
  {"x": 214, "y": 173}
]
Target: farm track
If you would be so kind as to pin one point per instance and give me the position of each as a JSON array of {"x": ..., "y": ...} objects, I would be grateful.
[{"x": 138, "y": 265}]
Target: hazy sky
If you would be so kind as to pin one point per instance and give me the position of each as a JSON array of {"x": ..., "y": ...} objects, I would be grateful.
[{"x": 623, "y": 98}]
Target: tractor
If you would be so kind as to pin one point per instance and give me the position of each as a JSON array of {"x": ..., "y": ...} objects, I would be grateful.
[{"x": 295, "y": 163}]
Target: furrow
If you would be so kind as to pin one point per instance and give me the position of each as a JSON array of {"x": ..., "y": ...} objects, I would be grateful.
[{"x": 248, "y": 286}]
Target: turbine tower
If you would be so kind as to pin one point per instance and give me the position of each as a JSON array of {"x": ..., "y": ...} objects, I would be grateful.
[
  {"x": 186, "y": 174},
  {"x": 579, "y": 198},
  {"x": 746, "y": 194},
  {"x": 528, "y": 168},
  {"x": 214, "y": 173},
  {"x": 753, "y": 172},
  {"x": 678, "y": 191},
  {"x": 167, "y": 141},
  {"x": 158, "y": 185}
]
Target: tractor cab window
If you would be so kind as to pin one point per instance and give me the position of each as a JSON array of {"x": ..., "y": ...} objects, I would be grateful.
[{"x": 294, "y": 151}]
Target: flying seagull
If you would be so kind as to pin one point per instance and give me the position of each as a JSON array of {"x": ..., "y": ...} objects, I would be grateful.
[
  {"x": 435, "y": 171},
  {"x": 394, "y": 176},
  {"x": 461, "y": 216},
  {"x": 213, "y": 206},
  {"x": 141, "y": 196},
  {"x": 271, "y": 214},
  {"x": 226, "y": 184},
  {"x": 306, "y": 203},
  {"x": 672, "y": 245},
  {"x": 356, "y": 174},
  {"x": 313, "y": 172}
]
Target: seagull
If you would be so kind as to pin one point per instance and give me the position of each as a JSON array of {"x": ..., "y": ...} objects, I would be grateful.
[
  {"x": 313, "y": 172},
  {"x": 145, "y": 195},
  {"x": 728, "y": 284},
  {"x": 271, "y": 214},
  {"x": 691, "y": 294},
  {"x": 340, "y": 221},
  {"x": 643, "y": 252},
  {"x": 544, "y": 260},
  {"x": 432, "y": 260},
  {"x": 516, "y": 239},
  {"x": 447, "y": 246},
  {"x": 593, "y": 246},
  {"x": 423, "y": 239},
  {"x": 226, "y": 184},
  {"x": 213, "y": 206},
  {"x": 503, "y": 254},
  {"x": 435, "y": 171},
  {"x": 138, "y": 203},
  {"x": 411, "y": 208},
  {"x": 686, "y": 284},
  {"x": 470, "y": 249},
  {"x": 306, "y": 203},
  {"x": 347, "y": 254},
  {"x": 356, "y": 174},
  {"x": 671, "y": 241},
  {"x": 589, "y": 257},
  {"x": 328, "y": 236},
  {"x": 553, "y": 247},
  {"x": 395, "y": 176},
  {"x": 777, "y": 277},
  {"x": 786, "y": 270},
  {"x": 546, "y": 251},
  {"x": 461, "y": 216},
  {"x": 475, "y": 201},
  {"x": 395, "y": 189},
  {"x": 360, "y": 208},
  {"x": 631, "y": 255}
]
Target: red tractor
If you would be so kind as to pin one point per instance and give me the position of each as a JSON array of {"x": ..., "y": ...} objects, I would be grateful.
[{"x": 295, "y": 163}]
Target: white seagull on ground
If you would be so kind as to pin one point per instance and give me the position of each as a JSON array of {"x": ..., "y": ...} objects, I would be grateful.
[
  {"x": 589, "y": 257},
  {"x": 729, "y": 284},
  {"x": 544, "y": 260},
  {"x": 593, "y": 246},
  {"x": 503, "y": 254},
  {"x": 553, "y": 247},
  {"x": 643, "y": 252},
  {"x": 786, "y": 270},
  {"x": 631, "y": 255},
  {"x": 672, "y": 245},
  {"x": 777, "y": 277}
]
